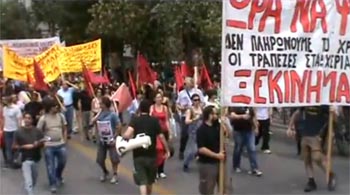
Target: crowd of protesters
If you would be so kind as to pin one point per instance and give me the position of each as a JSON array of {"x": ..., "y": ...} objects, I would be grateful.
[{"x": 32, "y": 120}]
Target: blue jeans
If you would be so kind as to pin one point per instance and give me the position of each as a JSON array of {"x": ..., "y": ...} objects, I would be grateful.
[
  {"x": 243, "y": 139},
  {"x": 30, "y": 175},
  {"x": 55, "y": 157},
  {"x": 9, "y": 136},
  {"x": 69, "y": 115},
  {"x": 191, "y": 150}
]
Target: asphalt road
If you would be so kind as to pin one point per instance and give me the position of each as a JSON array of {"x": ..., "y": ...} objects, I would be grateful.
[{"x": 283, "y": 174}]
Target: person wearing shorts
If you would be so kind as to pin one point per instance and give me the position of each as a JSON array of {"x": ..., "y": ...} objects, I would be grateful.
[
  {"x": 314, "y": 120},
  {"x": 145, "y": 167},
  {"x": 108, "y": 127}
]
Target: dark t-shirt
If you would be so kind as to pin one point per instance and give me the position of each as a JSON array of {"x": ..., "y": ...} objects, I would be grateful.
[
  {"x": 242, "y": 124},
  {"x": 85, "y": 101},
  {"x": 28, "y": 136},
  {"x": 150, "y": 126},
  {"x": 209, "y": 137},
  {"x": 313, "y": 119}
]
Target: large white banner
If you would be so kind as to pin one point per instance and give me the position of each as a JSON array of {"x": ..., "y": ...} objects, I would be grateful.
[
  {"x": 28, "y": 47},
  {"x": 285, "y": 52}
]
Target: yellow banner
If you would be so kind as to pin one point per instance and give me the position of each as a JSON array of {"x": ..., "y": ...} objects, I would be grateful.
[
  {"x": 16, "y": 67},
  {"x": 88, "y": 53},
  {"x": 54, "y": 61}
]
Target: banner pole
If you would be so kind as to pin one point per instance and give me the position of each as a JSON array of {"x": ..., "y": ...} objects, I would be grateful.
[
  {"x": 329, "y": 143},
  {"x": 222, "y": 162}
]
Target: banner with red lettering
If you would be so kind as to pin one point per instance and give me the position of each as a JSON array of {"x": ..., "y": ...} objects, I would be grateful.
[{"x": 285, "y": 53}]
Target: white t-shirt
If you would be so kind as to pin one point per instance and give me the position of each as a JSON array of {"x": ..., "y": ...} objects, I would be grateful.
[
  {"x": 262, "y": 113},
  {"x": 11, "y": 115}
]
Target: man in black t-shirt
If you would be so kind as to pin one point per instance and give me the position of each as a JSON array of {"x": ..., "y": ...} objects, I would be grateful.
[
  {"x": 208, "y": 142},
  {"x": 145, "y": 159},
  {"x": 314, "y": 120},
  {"x": 29, "y": 141}
]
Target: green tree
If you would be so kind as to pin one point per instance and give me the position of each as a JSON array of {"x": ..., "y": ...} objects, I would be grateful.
[
  {"x": 69, "y": 18},
  {"x": 16, "y": 22}
]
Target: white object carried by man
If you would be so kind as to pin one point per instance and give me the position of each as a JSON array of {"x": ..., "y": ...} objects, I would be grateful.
[{"x": 141, "y": 140}]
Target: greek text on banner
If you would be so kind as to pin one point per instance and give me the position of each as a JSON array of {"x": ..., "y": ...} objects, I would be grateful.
[
  {"x": 28, "y": 47},
  {"x": 88, "y": 53},
  {"x": 16, "y": 67},
  {"x": 285, "y": 53}
]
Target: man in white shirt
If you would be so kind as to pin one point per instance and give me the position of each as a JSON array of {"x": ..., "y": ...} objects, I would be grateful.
[
  {"x": 12, "y": 117},
  {"x": 66, "y": 92},
  {"x": 183, "y": 102}
]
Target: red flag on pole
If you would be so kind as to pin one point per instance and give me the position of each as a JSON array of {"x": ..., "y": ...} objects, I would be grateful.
[
  {"x": 178, "y": 78},
  {"x": 39, "y": 77},
  {"x": 132, "y": 85},
  {"x": 123, "y": 97},
  {"x": 205, "y": 80},
  {"x": 145, "y": 72},
  {"x": 87, "y": 82},
  {"x": 186, "y": 71}
]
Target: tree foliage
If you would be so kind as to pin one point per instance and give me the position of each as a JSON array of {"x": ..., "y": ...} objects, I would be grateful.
[
  {"x": 161, "y": 30},
  {"x": 70, "y": 18},
  {"x": 16, "y": 22}
]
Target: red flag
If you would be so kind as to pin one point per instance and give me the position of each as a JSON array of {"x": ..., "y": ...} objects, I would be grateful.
[
  {"x": 39, "y": 77},
  {"x": 87, "y": 82},
  {"x": 30, "y": 79},
  {"x": 95, "y": 78},
  {"x": 145, "y": 72},
  {"x": 132, "y": 85},
  {"x": 178, "y": 78},
  {"x": 205, "y": 80},
  {"x": 186, "y": 71},
  {"x": 123, "y": 97}
]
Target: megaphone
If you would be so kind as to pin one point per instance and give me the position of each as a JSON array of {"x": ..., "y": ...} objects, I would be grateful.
[{"x": 141, "y": 140}]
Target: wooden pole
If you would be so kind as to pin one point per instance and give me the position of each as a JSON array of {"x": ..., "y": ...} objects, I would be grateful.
[
  {"x": 329, "y": 143},
  {"x": 195, "y": 77},
  {"x": 222, "y": 162}
]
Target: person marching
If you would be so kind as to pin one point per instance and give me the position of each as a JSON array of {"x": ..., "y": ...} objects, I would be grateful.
[
  {"x": 314, "y": 120},
  {"x": 160, "y": 111},
  {"x": 29, "y": 140},
  {"x": 208, "y": 141},
  {"x": 108, "y": 127},
  {"x": 145, "y": 168},
  {"x": 193, "y": 120},
  {"x": 54, "y": 125}
]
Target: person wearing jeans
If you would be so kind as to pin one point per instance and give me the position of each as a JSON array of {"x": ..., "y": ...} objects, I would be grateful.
[
  {"x": 194, "y": 121},
  {"x": 29, "y": 140},
  {"x": 53, "y": 124},
  {"x": 245, "y": 127},
  {"x": 12, "y": 117},
  {"x": 66, "y": 92},
  {"x": 55, "y": 158}
]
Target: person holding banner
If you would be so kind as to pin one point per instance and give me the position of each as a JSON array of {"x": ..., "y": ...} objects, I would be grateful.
[
  {"x": 314, "y": 122},
  {"x": 66, "y": 92},
  {"x": 108, "y": 127},
  {"x": 208, "y": 142}
]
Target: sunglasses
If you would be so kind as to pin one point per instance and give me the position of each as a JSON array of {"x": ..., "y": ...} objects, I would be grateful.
[{"x": 196, "y": 100}]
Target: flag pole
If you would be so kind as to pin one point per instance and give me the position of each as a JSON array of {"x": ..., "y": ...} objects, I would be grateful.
[
  {"x": 329, "y": 143},
  {"x": 137, "y": 71}
]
